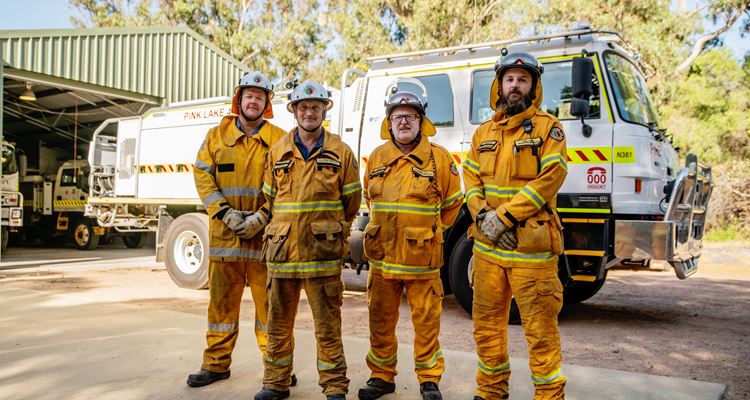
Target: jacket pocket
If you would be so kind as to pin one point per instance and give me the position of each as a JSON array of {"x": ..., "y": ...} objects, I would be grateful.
[
  {"x": 525, "y": 164},
  {"x": 327, "y": 240},
  {"x": 419, "y": 188},
  {"x": 487, "y": 161},
  {"x": 534, "y": 234},
  {"x": 556, "y": 235},
  {"x": 372, "y": 243},
  {"x": 419, "y": 246},
  {"x": 275, "y": 248},
  {"x": 326, "y": 183}
]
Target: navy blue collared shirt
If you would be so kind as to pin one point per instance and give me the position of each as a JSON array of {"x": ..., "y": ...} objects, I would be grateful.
[
  {"x": 255, "y": 131},
  {"x": 303, "y": 149}
]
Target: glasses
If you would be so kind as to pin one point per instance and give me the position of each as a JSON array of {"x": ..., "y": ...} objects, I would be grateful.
[
  {"x": 407, "y": 117},
  {"x": 304, "y": 109}
]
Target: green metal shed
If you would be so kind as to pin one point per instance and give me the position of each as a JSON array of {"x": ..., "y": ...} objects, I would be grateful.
[{"x": 81, "y": 77}]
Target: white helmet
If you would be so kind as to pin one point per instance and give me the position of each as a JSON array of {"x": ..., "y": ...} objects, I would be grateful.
[
  {"x": 309, "y": 90},
  {"x": 258, "y": 80},
  {"x": 408, "y": 92}
]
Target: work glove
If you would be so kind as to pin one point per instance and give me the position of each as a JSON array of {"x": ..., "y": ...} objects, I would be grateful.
[
  {"x": 508, "y": 240},
  {"x": 234, "y": 218},
  {"x": 252, "y": 224},
  {"x": 492, "y": 226}
]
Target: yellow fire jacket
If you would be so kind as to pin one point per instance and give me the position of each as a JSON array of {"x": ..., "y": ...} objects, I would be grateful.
[
  {"x": 229, "y": 174},
  {"x": 516, "y": 166},
  {"x": 313, "y": 203},
  {"x": 412, "y": 198}
]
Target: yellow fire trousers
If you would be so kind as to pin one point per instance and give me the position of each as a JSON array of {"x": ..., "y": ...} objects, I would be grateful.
[
  {"x": 538, "y": 293},
  {"x": 227, "y": 281},
  {"x": 425, "y": 297},
  {"x": 325, "y": 295}
]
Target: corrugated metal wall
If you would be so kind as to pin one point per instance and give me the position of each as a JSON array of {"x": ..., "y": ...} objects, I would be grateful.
[{"x": 176, "y": 64}]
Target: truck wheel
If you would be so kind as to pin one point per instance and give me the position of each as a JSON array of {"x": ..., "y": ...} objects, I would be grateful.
[
  {"x": 460, "y": 266},
  {"x": 134, "y": 240},
  {"x": 4, "y": 238},
  {"x": 579, "y": 291},
  {"x": 83, "y": 235},
  {"x": 186, "y": 250}
]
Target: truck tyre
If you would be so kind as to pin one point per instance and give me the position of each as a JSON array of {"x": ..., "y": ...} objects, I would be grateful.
[
  {"x": 4, "y": 238},
  {"x": 579, "y": 291},
  {"x": 83, "y": 235},
  {"x": 134, "y": 240},
  {"x": 186, "y": 251},
  {"x": 460, "y": 268}
]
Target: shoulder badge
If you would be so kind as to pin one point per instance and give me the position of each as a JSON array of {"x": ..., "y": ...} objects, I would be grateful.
[
  {"x": 557, "y": 134},
  {"x": 454, "y": 170}
]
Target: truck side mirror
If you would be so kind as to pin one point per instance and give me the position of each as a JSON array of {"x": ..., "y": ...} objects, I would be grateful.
[{"x": 583, "y": 68}]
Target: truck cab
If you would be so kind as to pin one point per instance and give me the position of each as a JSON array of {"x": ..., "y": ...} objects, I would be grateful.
[{"x": 11, "y": 207}]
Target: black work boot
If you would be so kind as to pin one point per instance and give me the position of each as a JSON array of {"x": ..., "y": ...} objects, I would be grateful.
[
  {"x": 375, "y": 388},
  {"x": 294, "y": 380},
  {"x": 270, "y": 394},
  {"x": 205, "y": 377},
  {"x": 336, "y": 397},
  {"x": 430, "y": 391}
]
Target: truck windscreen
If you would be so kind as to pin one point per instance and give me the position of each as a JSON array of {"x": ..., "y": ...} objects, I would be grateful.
[
  {"x": 9, "y": 161},
  {"x": 630, "y": 91}
]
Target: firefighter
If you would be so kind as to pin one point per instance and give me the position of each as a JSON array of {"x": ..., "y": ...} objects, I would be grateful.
[
  {"x": 414, "y": 193},
  {"x": 313, "y": 188},
  {"x": 228, "y": 178},
  {"x": 512, "y": 175}
]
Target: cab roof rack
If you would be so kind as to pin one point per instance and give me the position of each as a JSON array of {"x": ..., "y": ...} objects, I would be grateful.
[{"x": 494, "y": 44}]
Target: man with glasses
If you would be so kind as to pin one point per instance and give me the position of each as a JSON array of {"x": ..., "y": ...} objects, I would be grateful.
[
  {"x": 313, "y": 188},
  {"x": 414, "y": 193},
  {"x": 512, "y": 175}
]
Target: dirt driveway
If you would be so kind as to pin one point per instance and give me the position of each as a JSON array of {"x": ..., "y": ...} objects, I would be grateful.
[{"x": 646, "y": 322}]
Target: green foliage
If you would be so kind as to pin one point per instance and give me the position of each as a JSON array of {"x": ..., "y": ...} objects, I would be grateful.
[{"x": 730, "y": 232}]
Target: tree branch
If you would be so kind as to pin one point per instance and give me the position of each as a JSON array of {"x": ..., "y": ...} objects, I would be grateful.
[{"x": 698, "y": 46}]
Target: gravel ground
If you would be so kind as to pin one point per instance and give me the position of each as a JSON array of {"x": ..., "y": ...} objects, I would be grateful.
[{"x": 645, "y": 322}]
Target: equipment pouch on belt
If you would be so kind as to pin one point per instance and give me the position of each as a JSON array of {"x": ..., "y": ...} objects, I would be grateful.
[
  {"x": 420, "y": 247},
  {"x": 274, "y": 242},
  {"x": 535, "y": 234},
  {"x": 558, "y": 242},
  {"x": 526, "y": 158},
  {"x": 372, "y": 243},
  {"x": 327, "y": 240}
]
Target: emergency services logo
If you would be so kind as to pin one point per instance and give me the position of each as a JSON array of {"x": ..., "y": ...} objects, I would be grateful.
[
  {"x": 257, "y": 79},
  {"x": 557, "y": 134},
  {"x": 309, "y": 90},
  {"x": 596, "y": 178},
  {"x": 454, "y": 170}
]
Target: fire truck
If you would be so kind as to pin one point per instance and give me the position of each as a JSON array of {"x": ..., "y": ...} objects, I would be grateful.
[{"x": 627, "y": 201}]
